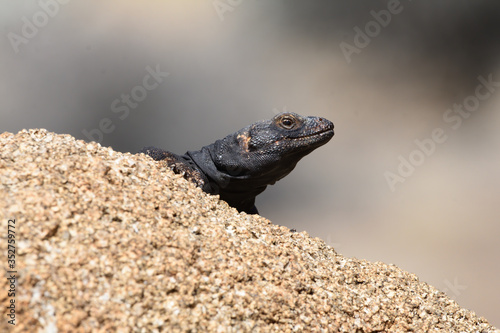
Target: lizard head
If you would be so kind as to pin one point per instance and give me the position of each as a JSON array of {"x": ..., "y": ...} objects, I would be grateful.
[
  {"x": 270, "y": 149},
  {"x": 288, "y": 134}
]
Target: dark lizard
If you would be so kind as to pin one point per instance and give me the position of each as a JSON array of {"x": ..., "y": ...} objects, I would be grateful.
[{"x": 241, "y": 165}]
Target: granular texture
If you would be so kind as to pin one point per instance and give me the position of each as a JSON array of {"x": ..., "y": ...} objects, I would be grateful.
[{"x": 108, "y": 242}]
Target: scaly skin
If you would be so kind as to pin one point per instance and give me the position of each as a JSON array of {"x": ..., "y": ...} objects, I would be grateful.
[{"x": 243, "y": 164}]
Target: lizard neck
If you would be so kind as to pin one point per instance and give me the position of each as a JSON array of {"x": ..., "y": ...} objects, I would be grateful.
[
  {"x": 202, "y": 160},
  {"x": 235, "y": 186}
]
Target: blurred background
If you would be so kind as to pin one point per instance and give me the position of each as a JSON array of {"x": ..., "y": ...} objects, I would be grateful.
[{"x": 386, "y": 73}]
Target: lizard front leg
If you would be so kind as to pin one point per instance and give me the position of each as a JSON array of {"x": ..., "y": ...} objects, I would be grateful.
[{"x": 178, "y": 164}]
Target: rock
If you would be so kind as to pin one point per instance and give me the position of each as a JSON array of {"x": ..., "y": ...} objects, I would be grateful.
[{"x": 107, "y": 241}]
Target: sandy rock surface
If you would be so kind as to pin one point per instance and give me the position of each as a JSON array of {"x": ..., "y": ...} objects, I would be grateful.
[{"x": 107, "y": 242}]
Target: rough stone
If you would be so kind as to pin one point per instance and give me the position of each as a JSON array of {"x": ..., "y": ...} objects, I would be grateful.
[{"x": 107, "y": 241}]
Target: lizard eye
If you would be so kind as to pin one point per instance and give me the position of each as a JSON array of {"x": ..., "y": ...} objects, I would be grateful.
[{"x": 287, "y": 122}]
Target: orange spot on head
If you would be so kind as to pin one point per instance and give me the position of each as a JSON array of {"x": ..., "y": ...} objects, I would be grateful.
[{"x": 244, "y": 139}]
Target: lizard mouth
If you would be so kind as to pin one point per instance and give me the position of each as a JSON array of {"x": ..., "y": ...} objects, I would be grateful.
[{"x": 327, "y": 131}]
